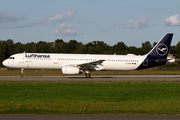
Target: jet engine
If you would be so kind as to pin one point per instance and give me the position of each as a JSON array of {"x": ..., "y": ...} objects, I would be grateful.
[{"x": 70, "y": 70}]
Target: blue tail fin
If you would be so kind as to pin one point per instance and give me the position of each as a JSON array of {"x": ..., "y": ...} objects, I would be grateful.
[
  {"x": 158, "y": 55},
  {"x": 161, "y": 49}
]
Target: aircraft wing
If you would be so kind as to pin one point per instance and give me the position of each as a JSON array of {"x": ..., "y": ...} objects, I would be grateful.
[
  {"x": 91, "y": 63},
  {"x": 90, "y": 66}
]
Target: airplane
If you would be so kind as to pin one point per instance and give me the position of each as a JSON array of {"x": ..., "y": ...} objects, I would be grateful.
[{"x": 79, "y": 63}]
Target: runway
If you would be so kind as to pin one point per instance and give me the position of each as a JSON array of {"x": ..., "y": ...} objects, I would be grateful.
[{"x": 121, "y": 78}]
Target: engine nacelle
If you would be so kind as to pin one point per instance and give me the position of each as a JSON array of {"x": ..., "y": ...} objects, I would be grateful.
[
  {"x": 171, "y": 59},
  {"x": 70, "y": 70}
]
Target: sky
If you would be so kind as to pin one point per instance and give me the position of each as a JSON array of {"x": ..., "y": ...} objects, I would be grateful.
[{"x": 130, "y": 21}]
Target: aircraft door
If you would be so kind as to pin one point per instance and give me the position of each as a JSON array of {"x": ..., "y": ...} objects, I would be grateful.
[
  {"x": 21, "y": 59},
  {"x": 55, "y": 59}
]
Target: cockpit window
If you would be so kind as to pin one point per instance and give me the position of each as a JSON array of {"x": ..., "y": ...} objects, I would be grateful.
[{"x": 11, "y": 58}]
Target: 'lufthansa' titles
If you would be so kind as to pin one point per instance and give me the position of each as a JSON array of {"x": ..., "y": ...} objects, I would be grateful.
[{"x": 36, "y": 56}]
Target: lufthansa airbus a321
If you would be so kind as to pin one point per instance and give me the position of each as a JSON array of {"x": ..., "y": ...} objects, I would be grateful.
[{"x": 79, "y": 63}]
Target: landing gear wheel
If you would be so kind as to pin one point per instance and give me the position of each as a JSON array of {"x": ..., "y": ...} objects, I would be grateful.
[
  {"x": 22, "y": 71},
  {"x": 21, "y": 75},
  {"x": 88, "y": 75}
]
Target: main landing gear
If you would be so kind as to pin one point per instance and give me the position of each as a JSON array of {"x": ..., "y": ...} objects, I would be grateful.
[
  {"x": 22, "y": 71},
  {"x": 88, "y": 75}
]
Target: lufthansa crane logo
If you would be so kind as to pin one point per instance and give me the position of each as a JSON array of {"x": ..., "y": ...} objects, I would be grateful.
[{"x": 161, "y": 49}]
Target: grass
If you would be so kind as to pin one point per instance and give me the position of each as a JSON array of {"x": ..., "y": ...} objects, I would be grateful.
[{"x": 89, "y": 98}]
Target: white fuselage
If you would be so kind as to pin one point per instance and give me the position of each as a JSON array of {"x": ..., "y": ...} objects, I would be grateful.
[
  {"x": 57, "y": 61},
  {"x": 78, "y": 63}
]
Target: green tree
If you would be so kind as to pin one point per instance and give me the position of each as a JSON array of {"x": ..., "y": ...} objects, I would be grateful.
[
  {"x": 177, "y": 49},
  {"x": 133, "y": 50},
  {"x": 59, "y": 41},
  {"x": 43, "y": 47},
  {"x": 3, "y": 52},
  {"x": 80, "y": 49},
  {"x": 19, "y": 48},
  {"x": 70, "y": 47},
  {"x": 31, "y": 47},
  {"x": 10, "y": 46},
  {"x": 146, "y": 47},
  {"x": 172, "y": 50},
  {"x": 90, "y": 48},
  {"x": 100, "y": 47},
  {"x": 120, "y": 48}
]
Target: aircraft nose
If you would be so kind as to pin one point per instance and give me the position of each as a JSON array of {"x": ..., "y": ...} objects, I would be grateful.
[{"x": 4, "y": 62}]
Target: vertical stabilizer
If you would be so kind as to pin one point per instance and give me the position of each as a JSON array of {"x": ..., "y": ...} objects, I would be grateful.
[
  {"x": 161, "y": 49},
  {"x": 158, "y": 55}
]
